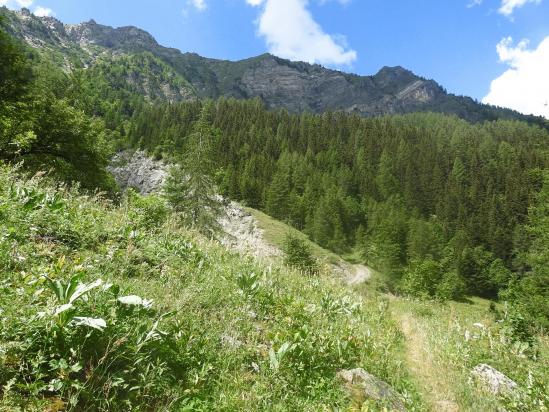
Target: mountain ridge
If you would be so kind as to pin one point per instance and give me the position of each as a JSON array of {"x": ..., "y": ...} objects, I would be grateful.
[{"x": 280, "y": 83}]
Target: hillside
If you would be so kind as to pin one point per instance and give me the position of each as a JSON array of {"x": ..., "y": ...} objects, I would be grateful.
[
  {"x": 118, "y": 307},
  {"x": 155, "y": 71},
  {"x": 160, "y": 251},
  {"x": 222, "y": 332}
]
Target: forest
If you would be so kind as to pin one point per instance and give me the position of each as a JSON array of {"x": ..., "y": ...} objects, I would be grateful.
[{"x": 444, "y": 206}]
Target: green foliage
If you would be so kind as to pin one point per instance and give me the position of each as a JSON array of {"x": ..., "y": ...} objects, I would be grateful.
[
  {"x": 15, "y": 70},
  {"x": 216, "y": 330},
  {"x": 529, "y": 293},
  {"x": 427, "y": 279},
  {"x": 298, "y": 254},
  {"x": 450, "y": 287},
  {"x": 148, "y": 212},
  {"x": 41, "y": 128}
]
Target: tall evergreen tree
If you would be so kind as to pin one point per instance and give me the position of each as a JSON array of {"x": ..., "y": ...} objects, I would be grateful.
[{"x": 190, "y": 187}]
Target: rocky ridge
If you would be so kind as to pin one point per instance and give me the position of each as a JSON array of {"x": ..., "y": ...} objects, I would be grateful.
[{"x": 279, "y": 83}]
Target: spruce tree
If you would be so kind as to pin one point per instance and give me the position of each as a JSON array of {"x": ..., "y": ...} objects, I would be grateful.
[{"x": 190, "y": 187}]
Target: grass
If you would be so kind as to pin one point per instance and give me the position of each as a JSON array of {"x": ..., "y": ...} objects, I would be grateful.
[
  {"x": 435, "y": 351},
  {"x": 445, "y": 341},
  {"x": 275, "y": 233},
  {"x": 209, "y": 329},
  {"x": 219, "y": 331}
]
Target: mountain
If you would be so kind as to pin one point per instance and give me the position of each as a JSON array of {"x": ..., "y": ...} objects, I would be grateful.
[{"x": 165, "y": 73}]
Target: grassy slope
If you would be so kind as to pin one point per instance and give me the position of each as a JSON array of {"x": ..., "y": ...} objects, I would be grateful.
[
  {"x": 218, "y": 349},
  {"x": 443, "y": 345},
  {"x": 229, "y": 317},
  {"x": 437, "y": 354},
  {"x": 275, "y": 233}
]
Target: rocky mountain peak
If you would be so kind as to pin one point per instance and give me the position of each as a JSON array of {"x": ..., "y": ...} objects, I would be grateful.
[
  {"x": 25, "y": 12},
  {"x": 280, "y": 83},
  {"x": 123, "y": 37}
]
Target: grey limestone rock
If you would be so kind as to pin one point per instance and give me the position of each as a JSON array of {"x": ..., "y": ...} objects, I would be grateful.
[
  {"x": 358, "y": 381},
  {"x": 493, "y": 380},
  {"x": 139, "y": 171}
]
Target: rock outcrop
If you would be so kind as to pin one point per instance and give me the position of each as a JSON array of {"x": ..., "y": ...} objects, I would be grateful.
[
  {"x": 361, "y": 384},
  {"x": 493, "y": 380},
  {"x": 242, "y": 233},
  {"x": 139, "y": 171}
]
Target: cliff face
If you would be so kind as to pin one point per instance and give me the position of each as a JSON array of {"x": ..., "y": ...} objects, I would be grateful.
[{"x": 280, "y": 83}]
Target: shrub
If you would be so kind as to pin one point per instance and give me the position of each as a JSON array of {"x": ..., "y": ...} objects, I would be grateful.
[
  {"x": 450, "y": 287},
  {"x": 297, "y": 254},
  {"x": 148, "y": 212},
  {"x": 90, "y": 347},
  {"x": 426, "y": 279},
  {"x": 421, "y": 278}
]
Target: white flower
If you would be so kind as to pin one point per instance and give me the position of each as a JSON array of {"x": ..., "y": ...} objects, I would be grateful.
[
  {"x": 133, "y": 300},
  {"x": 98, "y": 324},
  {"x": 478, "y": 325}
]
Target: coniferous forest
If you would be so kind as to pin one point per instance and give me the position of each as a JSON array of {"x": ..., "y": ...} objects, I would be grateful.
[{"x": 420, "y": 195}]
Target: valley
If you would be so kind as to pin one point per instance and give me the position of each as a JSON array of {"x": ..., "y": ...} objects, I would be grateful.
[{"x": 180, "y": 233}]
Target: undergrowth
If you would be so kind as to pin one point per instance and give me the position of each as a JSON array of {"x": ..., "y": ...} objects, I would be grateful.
[
  {"x": 115, "y": 307},
  {"x": 461, "y": 336}
]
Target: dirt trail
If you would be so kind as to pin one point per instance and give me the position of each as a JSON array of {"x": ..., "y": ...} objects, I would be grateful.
[{"x": 431, "y": 379}]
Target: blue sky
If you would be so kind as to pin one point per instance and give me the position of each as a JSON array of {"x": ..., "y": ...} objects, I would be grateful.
[{"x": 487, "y": 49}]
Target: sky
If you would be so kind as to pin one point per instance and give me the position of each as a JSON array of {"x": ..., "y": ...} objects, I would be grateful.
[{"x": 496, "y": 51}]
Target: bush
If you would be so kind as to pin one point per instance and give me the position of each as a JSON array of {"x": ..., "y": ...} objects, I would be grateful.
[
  {"x": 426, "y": 279},
  {"x": 89, "y": 346},
  {"x": 421, "y": 278},
  {"x": 297, "y": 254},
  {"x": 450, "y": 287},
  {"x": 148, "y": 212}
]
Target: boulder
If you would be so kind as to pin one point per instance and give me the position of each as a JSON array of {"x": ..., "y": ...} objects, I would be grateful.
[
  {"x": 493, "y": 380},
  {"x": 362, "y": 384}
]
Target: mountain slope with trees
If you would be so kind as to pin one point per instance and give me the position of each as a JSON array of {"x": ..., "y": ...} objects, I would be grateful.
[{"x": 439, "y": 204}]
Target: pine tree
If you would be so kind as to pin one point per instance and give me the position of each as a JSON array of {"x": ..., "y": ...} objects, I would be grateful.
[{"x": 190, "y": 187}]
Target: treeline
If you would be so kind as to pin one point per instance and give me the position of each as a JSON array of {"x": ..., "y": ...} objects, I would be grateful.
[{"x": 401, "y": 189}]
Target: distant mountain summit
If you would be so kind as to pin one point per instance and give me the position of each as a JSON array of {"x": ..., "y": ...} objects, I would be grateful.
[{"x": 280, "y": 83}]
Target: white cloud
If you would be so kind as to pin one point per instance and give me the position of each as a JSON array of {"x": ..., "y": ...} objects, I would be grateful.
[
  {"x": 39, "y": 11},
  {"x": 290, "y": 31},
  {"x": 524, "y": 86},
  {"x": 474, "y": 3},
  {"x": 198, "y": 4},
  {"x": 24, "y": 3},
  {"x": 43, "y": 12},
  {"x": 16, "y": 4},
  {"x": 508, "y": 6}
]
